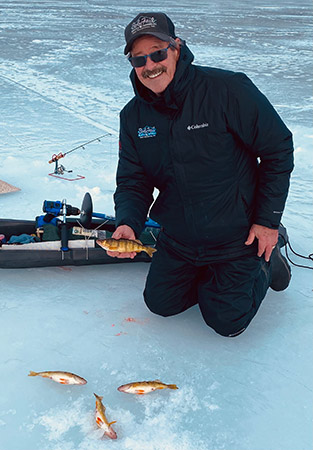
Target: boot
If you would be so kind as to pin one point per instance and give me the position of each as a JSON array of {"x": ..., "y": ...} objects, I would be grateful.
[
  {"x": 281, "y": 272},
  {"x": 282, "y": 236}
]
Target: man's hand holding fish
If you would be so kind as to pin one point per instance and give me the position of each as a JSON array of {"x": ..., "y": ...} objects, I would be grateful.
[{"x": 123, "y": 232}]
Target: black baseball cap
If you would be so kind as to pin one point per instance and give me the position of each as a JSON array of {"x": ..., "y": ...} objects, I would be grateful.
[{"x": 154, "y": 24}]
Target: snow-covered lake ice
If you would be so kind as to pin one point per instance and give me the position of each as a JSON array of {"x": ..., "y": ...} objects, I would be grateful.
[{"x": 63, "y": 81}]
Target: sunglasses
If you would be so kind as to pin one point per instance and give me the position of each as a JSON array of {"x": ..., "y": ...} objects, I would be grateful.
[{"x": 159, "y": 55}]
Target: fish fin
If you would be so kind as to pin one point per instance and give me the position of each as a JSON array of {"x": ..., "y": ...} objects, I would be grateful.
[
  {"x": 111, "y": 423},
  {"x": 140, "y": 391},
  {"x": 99, "y": 421},
  {"x": 158, "y": 381},
  {"x": 32, "y": 373},
  {"x": 150, "y": 251},
  {"x": 63, "y": 381},
  {"x": 138, "y": 241},
  {"x": 102, "y": 244},
  {"x": 172, "y": 386}
]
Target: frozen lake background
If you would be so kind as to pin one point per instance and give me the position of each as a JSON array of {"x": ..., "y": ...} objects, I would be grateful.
[{"x": 63, "y": 81}]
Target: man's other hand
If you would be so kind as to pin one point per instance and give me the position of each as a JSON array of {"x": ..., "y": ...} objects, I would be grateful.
[{"x": 267, "y": 239}]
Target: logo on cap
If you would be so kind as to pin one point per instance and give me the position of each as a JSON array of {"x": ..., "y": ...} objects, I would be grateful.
[{"x": 142, "y": 23}]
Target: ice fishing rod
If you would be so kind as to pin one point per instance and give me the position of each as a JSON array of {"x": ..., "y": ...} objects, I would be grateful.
[{"x": 60, "y": 155}]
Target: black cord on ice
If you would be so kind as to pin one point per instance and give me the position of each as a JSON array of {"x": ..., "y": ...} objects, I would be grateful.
[{"x": 309, "y": 257}]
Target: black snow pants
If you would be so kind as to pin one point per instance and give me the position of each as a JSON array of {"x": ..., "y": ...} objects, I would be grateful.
[{"x": 229, "y": 293}]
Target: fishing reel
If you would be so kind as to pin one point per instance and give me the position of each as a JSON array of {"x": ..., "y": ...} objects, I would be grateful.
[{"x": 59, "y": 169}]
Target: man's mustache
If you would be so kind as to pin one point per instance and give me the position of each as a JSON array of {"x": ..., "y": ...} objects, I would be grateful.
[{"x": 149, "y": 73}]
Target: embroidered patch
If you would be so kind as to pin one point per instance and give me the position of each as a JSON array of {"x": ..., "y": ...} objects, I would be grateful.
[
  {"x": 146, "y": 132},
  {"x": 142, "y": 23}
]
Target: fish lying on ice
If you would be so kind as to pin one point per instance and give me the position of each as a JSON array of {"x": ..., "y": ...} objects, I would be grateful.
[
  {"x": 59, "y": 377},
  {"x": 125, "y": 246},
  {"x": 144, "y": 387},
  {"x": 101, "y": 419}
]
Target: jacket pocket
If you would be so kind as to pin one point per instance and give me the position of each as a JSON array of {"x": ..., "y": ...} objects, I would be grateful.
[{"x": 248, "y": 210}]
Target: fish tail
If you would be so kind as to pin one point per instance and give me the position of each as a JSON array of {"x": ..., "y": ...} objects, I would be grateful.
[
  {"x": 32, "y": 373},
  {"x": 150, "y": 251},
  {"x": 172, "y": 386},
  {"x": 99, "y": 397}
]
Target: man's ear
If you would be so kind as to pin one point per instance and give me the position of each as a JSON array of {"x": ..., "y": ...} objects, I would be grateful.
[{"x": 178, "y": 43}]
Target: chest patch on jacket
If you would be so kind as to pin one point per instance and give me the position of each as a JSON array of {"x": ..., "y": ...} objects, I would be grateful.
[{"x": 147, "y": 132}]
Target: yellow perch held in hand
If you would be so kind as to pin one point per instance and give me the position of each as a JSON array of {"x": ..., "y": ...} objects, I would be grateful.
[
  {"x": 101, "y": 419},
  {"x": 125, "y": 246},
  {"x": 144, "y": 387},
  {"x": 59, "y": 377}
]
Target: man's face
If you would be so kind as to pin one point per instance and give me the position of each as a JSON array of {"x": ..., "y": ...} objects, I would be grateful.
[{"x": 155, "y": 76}]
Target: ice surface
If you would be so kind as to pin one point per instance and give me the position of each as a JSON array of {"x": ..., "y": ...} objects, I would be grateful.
[{"x": 63, "y": 81}]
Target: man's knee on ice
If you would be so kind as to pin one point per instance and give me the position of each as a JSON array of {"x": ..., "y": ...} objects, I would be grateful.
[
  {"x": 227, "y": 329},
  {"x": 156, "y": 307}
]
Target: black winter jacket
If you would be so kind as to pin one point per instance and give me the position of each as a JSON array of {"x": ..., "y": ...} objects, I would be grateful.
[{"x": 216, "y": 150}]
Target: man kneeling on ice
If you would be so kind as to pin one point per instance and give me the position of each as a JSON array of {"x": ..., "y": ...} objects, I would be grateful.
[{"x": 221, "y": 158}]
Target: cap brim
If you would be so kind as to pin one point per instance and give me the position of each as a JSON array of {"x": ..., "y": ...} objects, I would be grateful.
[{"x": 162, "y": 36}]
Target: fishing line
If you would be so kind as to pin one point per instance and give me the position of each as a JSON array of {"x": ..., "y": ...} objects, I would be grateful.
[
  {"x": 62, "y": 106},
  {"x": 88, "y": 237},
  {"x": 153, "y": 235},
  {"x": 19, "y": 141}
]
